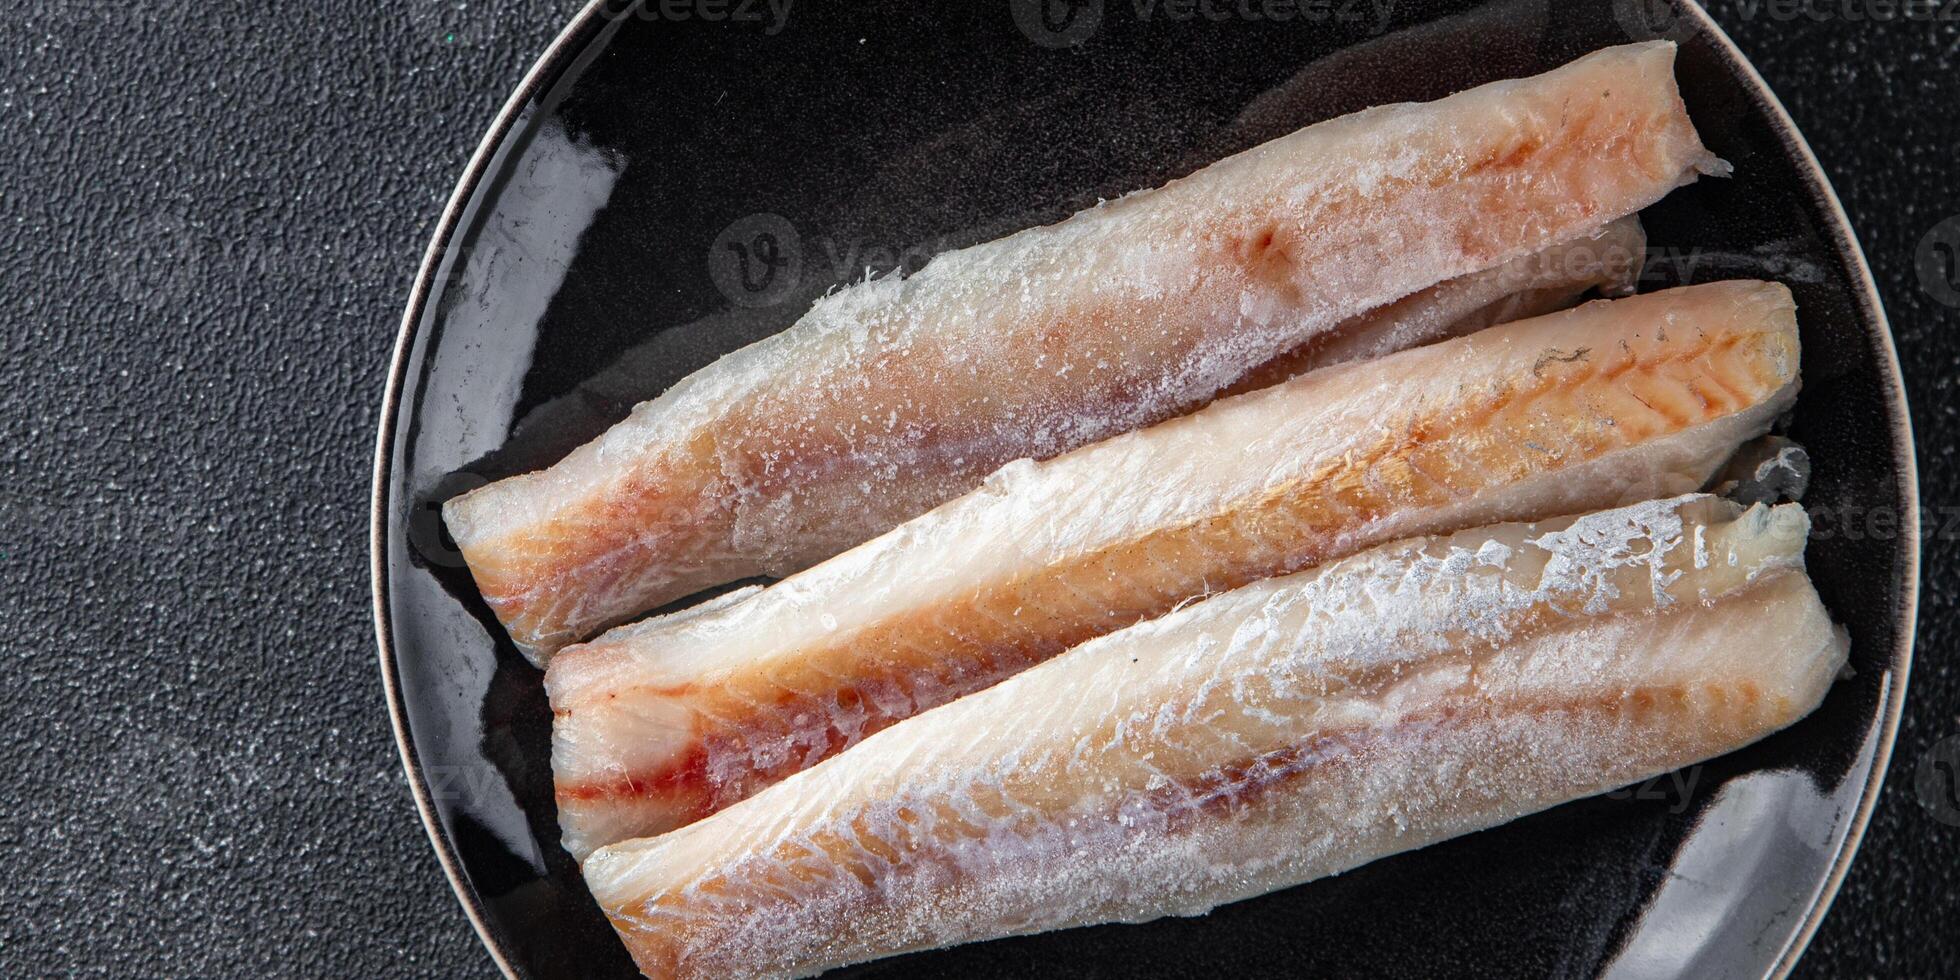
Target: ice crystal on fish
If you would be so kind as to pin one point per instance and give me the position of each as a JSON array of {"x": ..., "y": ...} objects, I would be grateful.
[
  {"x": 1049, "y": 554},
  {"x": 1052, "y": 338},
  {"x": 1287, "y": 730}
]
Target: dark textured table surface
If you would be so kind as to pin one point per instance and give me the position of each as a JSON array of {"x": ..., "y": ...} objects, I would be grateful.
[{"x": 209, "y": 216}]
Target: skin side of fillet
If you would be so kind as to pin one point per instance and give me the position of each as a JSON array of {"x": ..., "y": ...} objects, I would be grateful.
[
  {"x": 666, "y": 721},
  {"x": 1289, "y": 730},
  {"x": 895, "y": 394}
]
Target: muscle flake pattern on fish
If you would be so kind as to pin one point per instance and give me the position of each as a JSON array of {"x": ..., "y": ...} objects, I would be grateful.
[
  {"x": 1285, "y": 731},
  {"x": 894, "y": 395},
  {"x": 1609, "y": 260},
  {"x": 668, "y": 721}
]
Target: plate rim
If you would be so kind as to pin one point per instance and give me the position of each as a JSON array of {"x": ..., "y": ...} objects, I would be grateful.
[
  {"x": 1873, "y": 308},
  {"x": 570, "y": 43},
  {"x": 562, "y": 49}
]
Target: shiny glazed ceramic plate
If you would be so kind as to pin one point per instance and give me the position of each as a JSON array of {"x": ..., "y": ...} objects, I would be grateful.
[{"x": 665, "y": 189}]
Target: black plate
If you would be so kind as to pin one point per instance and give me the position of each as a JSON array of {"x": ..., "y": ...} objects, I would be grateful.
[{"x": 594, "y": 253}]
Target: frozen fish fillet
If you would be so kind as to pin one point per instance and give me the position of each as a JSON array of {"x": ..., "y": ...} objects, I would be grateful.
[
  {"x": 1609, "y": 260},
  {"x": 1289, "y": 730},
  {"x": 663, "y": 722},
  {"x": 896, "y": 394}
]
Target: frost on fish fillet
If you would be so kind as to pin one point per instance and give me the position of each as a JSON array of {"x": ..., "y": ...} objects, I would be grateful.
[
  {"x": 1292, "y": 729},
  {"x": 663, "y": 722},
  {"x": 894, "y": 395},
  {"x": 1609, "y": 260}
]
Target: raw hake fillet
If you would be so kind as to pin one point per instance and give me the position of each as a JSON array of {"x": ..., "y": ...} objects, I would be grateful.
[
  {"x": 663, "y": 722},
  {"x": 1289, "y": 730},
  {"x": 1609, "y": 260},
  {"x": 896, "y": 394}
]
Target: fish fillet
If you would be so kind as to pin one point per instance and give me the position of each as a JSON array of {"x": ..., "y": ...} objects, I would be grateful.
[
  {"x": 1289, "y": 730},
  {"x": 663, "y": 722},
  {"x": 1609, "y": 260},
  {"x": 897, "y": 394}
]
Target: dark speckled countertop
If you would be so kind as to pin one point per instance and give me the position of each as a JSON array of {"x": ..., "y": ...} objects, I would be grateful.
[{"x": 209, "y": 216}]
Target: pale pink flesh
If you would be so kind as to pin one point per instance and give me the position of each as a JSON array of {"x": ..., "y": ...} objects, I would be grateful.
[
  {"x": 892, "y": 395},
  {"x": 1269, "y": 736},
  {"x": 666, "y": 721}
]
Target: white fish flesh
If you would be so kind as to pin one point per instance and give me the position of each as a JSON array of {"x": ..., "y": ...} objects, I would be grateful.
[
  {"x": 896, "y": 394},
  {"x": 666, "y": 721},
  {"x": 1289, "y": 730},
  {"x": 1608, "y": 260}
]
